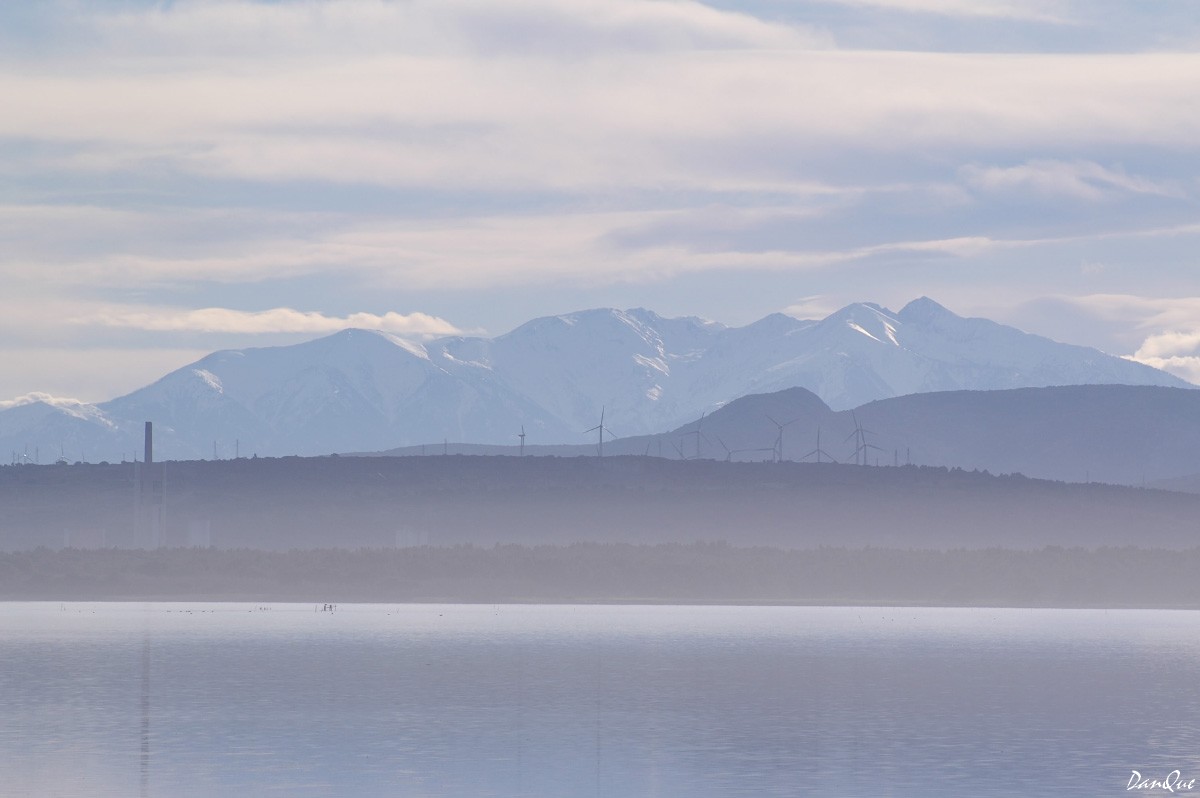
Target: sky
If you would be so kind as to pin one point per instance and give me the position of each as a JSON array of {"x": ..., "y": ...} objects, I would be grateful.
[{"x": 180, "y": 177}]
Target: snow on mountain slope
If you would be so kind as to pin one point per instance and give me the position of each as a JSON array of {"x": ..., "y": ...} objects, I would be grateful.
[
  {"x": 865, "y": 352},
  {"x": 620, "y": 361},
  {"x": 359, "y": 390},
  {"x": 43, "y": 429},
  {"x": 356, "y": 389}
]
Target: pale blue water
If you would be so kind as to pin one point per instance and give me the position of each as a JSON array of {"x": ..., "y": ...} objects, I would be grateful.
[{"x": 373, "y": 700}]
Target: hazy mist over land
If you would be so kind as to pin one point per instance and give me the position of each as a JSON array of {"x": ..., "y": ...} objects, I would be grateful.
[
  {"x": 345, "y": 502},
  {"x": 626, "y": 573},
  {"x": 594, "y": 529}
]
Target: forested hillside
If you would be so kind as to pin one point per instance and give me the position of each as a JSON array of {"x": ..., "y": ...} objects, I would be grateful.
[{"x": 396, "y": 502}]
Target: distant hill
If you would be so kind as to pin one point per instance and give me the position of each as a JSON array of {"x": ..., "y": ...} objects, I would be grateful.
[
  {"x": 359, "y": 390},
  {"x": 353, "y": 502},
  {"x": 1101, "y": 433},
  {"x": 1185, "y": 484},
  {"x": 1120, "y": 434}
]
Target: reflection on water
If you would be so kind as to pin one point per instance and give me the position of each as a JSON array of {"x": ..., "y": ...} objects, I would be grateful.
[
  {"x": 145, "y": 770},
  {"x": 211, "y": 699}
]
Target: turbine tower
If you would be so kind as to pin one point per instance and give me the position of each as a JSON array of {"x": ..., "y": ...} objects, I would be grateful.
[
  {"x": 819, "y": 452},
  {"x": 861, "y": 447},
  {"x": 522, "y": 437},
  {"x": 699, "y": 434},
  {"x": 778, "y": 448},
  {"x": 601, "y": 429}
]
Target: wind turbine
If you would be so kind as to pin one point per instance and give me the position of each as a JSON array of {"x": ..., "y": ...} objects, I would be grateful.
[
  {"x": 728, "y": 451},
  {"x": 867, "y": 446},
  {"x": 861, "y": 447},
  {"x": 522, "y": 437},
  {"x": 699, "y": 434},
  {"x": 601, "y": 429},
  {"x": 819, "y": 452},
  {"x": 778, "y": 448}
]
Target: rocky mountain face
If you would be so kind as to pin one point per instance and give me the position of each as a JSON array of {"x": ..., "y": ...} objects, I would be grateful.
[{"x": 361, "y": 390}]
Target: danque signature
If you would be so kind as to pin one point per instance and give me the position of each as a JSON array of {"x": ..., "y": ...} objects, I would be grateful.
[{"x": 1174, "y": 781}]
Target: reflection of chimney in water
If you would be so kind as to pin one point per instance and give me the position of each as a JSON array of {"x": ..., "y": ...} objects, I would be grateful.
[{"x": 149, "y": 458}]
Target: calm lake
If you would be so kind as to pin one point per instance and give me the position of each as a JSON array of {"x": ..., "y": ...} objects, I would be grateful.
[{"x": 475, "y": 700}]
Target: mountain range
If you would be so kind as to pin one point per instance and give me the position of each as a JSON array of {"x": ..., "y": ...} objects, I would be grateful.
[
  {"x": 1121, "y": 434},
  {"x": 552, "y": 377}
]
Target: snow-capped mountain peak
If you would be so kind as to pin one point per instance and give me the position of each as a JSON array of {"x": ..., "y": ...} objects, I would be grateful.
[
  {"x": 866, "y": 319},
  {"x": 369, "y": 390},
  {"x": 924, "y": 310}
]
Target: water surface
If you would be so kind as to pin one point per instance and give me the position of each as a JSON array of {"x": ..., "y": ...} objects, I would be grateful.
[{"x": 477, "y": 700}]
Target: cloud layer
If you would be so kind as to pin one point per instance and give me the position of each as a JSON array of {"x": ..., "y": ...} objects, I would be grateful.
[
  {"x": 276, "y": 320},
  {"x": 204, "y": 170}
]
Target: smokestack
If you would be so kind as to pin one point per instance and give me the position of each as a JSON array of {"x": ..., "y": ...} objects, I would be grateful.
[{"x": 149, "y": 458}]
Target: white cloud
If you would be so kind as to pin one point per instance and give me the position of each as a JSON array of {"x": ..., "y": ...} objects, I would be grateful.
[
  {"x": 93, "y": 374},
  {"x": 813, "y": 307},
  {"x": 1174, "y": 343},
  {"x": 39, "y": 396},
  {"x": 170, "y": 249},
  {"x": 1187, "y": 368},
  {"x": 1171, "y": 326},
  {"x": 1084, "y": 180},
  {"x": 456, "y": 254},
  {"x": 1028, "y": 10},
  {"x": 276, "y": 320},
  {"x": 1175, "y": 350},
  {"x": 628, "y": 93},
  {"x": 1144, "y": 312},
  {"x": 562, "y": 28}
]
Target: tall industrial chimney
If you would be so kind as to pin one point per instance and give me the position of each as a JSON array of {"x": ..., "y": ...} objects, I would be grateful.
[{"x": 149, "y": 458}]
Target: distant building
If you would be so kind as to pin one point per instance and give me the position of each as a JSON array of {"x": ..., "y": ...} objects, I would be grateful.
[{"x": 149, "y": 500}]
